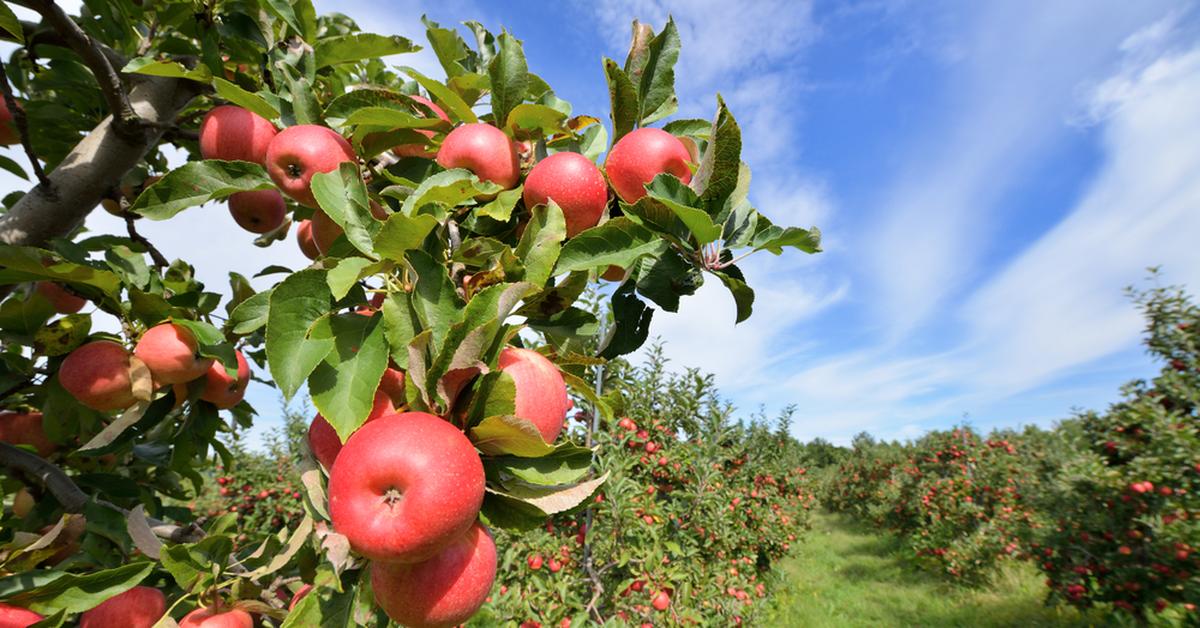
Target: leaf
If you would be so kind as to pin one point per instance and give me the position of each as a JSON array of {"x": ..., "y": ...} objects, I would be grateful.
[
  {"x": 401, "y": 233},
  {"x": 743, "y": 295},
  {"x": 245, "y": 99},
  {"x": 631, "y": 323},
  {"x": 165, "y": 67},
  {"x": 76, "y": 593},
  {"x": 63, "y": 335},
  {"x": 541, "y": 243},
  {"x": 295, "y": 305},
  {"x": 567, "y": 464},
  {"x": 128, "y": 418},
  {"x": 665, "y": 278},
  {"x": 299, "y": 537},
  {"x": 19, "y": 264},
  {"x": 452, "y": 52},
  {"x": 389, "y": 117},
  {"x": 529, "y": 120},
  {"x": 302, "y": 24},
  {"x": 400, "y": 325},
  {"x": 682, "y": 201},
  {"x": 618, "y": 242},
  {"x": 717, "y": 175},
  {"x": 342, "y": 195},
  {"x": 555, "y": 299},
  {"x": 485, "y": 42},
  {"x": 623, "y": 98},
  {"x": 341, "y": 278},
  {"x": 434, "y": 298},
  {"x": 500, "y": 208},
  {"x": 251, "y": 314},
  {"x": 196, "y": 183},
  {"x": 454, "y": 105},
  {"x": 139, "y": 530},
  {"x": 9, "y": 164},
  {"x": 553, "y": 500},
  {"x": 129, "y": 265},
  {"x": 768, "y": 237},
  {"x": 655, "y": 76},
  {"x": 495, "y": 395},
  {"x": 508, "y": 72},
  {"x": 358, "y": 46},
  {"x": 507, "y": 434},
  {"x": 343, "y": 385},
  {"x": 11, "y": 24},
  {"x": 448, "y": 189}
]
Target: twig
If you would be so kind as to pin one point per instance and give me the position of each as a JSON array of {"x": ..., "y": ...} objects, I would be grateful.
[
  {"x": 74, "y": 500},
  {"x": 159, "y": 261},
  {"x": 22, "y": 123},
  {"x": 125, "y": 120}
]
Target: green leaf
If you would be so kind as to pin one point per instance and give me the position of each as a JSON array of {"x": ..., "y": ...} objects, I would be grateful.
[
  {"x": 63, "y": 335},
  {"x": 631, "y": 323},
  {"x": 401, "y": 233},
  {"x": 495, "y": 395},
  {"x": 447, "y": 190},
  {"x": 434, "y": 298},
  {"x": 501, "y": 207},
  {"x": 509, "y": 77},
  {"x": 743, "y": 295},
  {"x": 251, "y": 314},
  {"x": 9, "y": 164},
  {"x": 347, "y": 273},
  {"x": 358, "y": 46},
  {"x": 245, "y": 99},
  {"x": 485, "y": 42},
  {"x": 656, "y": 76},
  {"x": 342, "y": 107},
  {"x": 20, "y": 264},
  {"x": 624, "y": 99},
  {"x": 343, "y": 385},
  {"x": 530, "y": 120},
  {"x": 401, "y": 324},
  {"x": 342, "y": 195},
  {"x": 542, "y": 241},
  {"x": 76, "y": 593},
  {"x": 567, "y": 464},
  {"x": 389, "y": 117},
  {"x": 323, "y": 606},
  {"x": 506, "y": 434},
  {"x": 305, "y": 108},
  {"x": 665, "y": 278},
  {"x": 768, "y": 237},
  {"x": 618, "y": 242},
  {"x": 454, "y": 105},
  {"x": 683, "y": 202},
  {"x": 303, "y": 23},
  {"x": 550, "y": 301},
  {"x": 717, "y": 176},
  {"x": 11, "y": 24},
  {"x": 295, "y": 305},
  {"x": 165, "y": 67},
  {"x": 530, "y": 501},
  {"x": 129, "y": 265},
  {"x": 449, "y": 47},
  {"x": 196, "y": 183}
]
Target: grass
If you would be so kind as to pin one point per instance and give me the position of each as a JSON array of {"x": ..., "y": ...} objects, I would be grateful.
[{"x": 847, "y": 575}]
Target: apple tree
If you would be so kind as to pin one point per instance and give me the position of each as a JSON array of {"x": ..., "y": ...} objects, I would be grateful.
[{"x": 453, "y": 225}]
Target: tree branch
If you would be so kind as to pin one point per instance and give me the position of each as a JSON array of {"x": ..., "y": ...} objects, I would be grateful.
[
  {"x": 73, "y": 500},
  {"x": 22, "y": 124},
  {"x": 95, "y": 58},
  {"x": 159, "y": 261}
]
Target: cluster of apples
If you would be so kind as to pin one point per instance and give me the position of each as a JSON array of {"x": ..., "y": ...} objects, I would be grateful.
[
  {"x": 98, "y": 374},
  {"x": 139, "y": 607},
  {"x": 406, "y": 489}
]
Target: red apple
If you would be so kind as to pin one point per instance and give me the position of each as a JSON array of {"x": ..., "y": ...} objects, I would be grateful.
[
  {"x": 25, "y": 428},
  {"x": 661, "y": 600},
  {"x": 323, "y": 440},
  {"x": 97, "y": 374},
  {"x": 23, "y": 501},
  {"x": 541, "y": 392},
  {"x": 575, "y": 184},
  {"x": 299, "y": 152},
  {"x": 405, "y": 486},
  {"x": 392, "y": 385},
  {"x": 304, "y": 237},
  {"x": 484, "y": 150},
  {"x": 259, "y": 211},
  {"x": 63, "y": 302},
  {"x": 421, "y": 150},
  {"x": 445, "y": 590},
  {"x": 235, "y": 134},
  {"x": 15, "y": 616},
  {"x": 139, "y": 607},
  {"x": 208, "y": 617},
  {"x": 642, "y": 155},
  {"x": 8, "y": 130},
  {"x": 299, "y": 595},
  {"x": 172, "y": 354},
  {"x": 220, "y": 389},
  {"x": 325, "y": 231}
]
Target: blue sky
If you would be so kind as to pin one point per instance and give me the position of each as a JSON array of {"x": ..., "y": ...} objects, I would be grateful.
[{"x": 988, "y": 177}]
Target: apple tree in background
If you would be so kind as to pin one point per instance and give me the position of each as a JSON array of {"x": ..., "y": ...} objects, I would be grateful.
[{"x": 453, "y": 227}]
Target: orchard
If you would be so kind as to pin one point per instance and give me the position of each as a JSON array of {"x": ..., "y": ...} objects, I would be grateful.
[{"x": 481, "y": 257}]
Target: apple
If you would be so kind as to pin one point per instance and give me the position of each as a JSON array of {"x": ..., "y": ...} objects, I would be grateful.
[
  {"x": 325, "y": 231},
  {"x": 445, "y": 590},
  {"x": 259, "y": 211},
  {"x": 8, "y": 130},
  {"x": 23, "y": 502},
  {"x": 323, "y": 440},
  {"x": 304, "y": 237},
  {"x": 613, "y": 273},
  {"x": 405, "y": 486},
  {"x": 139, "y": 607},
  {"x": 640, "y": 156},
  {"x": 484, "y": 150},
  {"x": 541, "y": 392},
  {"x": 299, "y": 595},
  {"x": 222, "y": 390},
  {"x": 392, "y": 384},
  {"x": 25, "y": 428},
  {"x": 63, "y": 302},
  {"x": 232, "y": 133},
  {"x": 299, "y": 152},
  {"x": 213, "y": 617},
  {"x": 15, "y": 616},
  {"x": 97, "y": 375},
  {"x": 661, "y": 600},
  {"x": 172, "y": 354},
  {"x": 535, "y": 562},
  {"x": 420, "y": 150},
  {"x": 575, "y": 184}
]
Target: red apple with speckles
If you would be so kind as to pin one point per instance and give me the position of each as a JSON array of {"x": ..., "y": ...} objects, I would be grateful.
[
  {"x": 299, "y": 152},
  {"x": 172, "y": 354},
  {"x": 97, "y": 375},
  {"x": 541, "y": 392},
  {"x": 404, "y": 487},
  {"x": 484, "y": 150},
  {"x": 209, "y": 617},
  {"x": 258, "y": 211},
  {"x": 222, "y": 390},
  {"x": 323, "y": 440},
  {"x": 139, "y": 607},
  {"x": 304, "y": 238},
  {"x": 62, "y": 301},
  {"x": 25, "y": 428},
  {"x": 640, "y": 156},
  {"x": 421, "y": 150},
  {"x": 8, "y": 130},
  {"x": 575, "y": 184},
  {"x": 232, "y": 133},
  {"x": 15, "y": 616},
  {"x": 445, "y": 590}
]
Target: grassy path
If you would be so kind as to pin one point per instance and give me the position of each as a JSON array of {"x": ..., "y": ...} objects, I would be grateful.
[{"x": 847, "y": 575}]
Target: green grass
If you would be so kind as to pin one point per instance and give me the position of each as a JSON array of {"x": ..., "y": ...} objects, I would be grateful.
[{"x": 845, "y": 574}]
